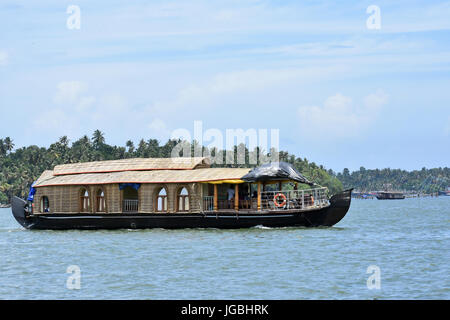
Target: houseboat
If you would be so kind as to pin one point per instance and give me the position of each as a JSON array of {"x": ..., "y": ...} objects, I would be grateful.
[
  {"x": 175, "y": 193},
  {"x": 445, "y": 192},
  {"x": 390, "y": 195}
]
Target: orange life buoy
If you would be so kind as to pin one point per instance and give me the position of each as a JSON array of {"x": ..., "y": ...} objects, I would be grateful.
[
  {"x": 275, "y": 200},
  {"x": 312, "y": 200}
]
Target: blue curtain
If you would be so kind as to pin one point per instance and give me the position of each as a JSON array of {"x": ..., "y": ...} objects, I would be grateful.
[
  {"x": 32, "y": 192},
  {"x": 135, "y": 186}
]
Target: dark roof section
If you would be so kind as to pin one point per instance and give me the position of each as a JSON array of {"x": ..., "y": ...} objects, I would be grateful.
[{"x": 275, "y": 171}]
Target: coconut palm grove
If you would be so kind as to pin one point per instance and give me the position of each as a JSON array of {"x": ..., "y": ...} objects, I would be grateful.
[{"x": 19, "y": 167}]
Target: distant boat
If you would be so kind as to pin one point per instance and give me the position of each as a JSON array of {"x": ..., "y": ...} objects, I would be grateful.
[
  {"x": 362, "y": 195},
  {"x": 390, "y": 195},
  {"x": 444, "y": 193}
]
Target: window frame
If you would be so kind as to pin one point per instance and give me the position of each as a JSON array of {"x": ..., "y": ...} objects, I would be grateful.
[
  {"x": 183, "y": 199},
  {"x": 100, "y": 197},
  {"x": 164, "y": 200},
  {"x": 42, "y": 205},
  {"x": 83, "y": 199}
]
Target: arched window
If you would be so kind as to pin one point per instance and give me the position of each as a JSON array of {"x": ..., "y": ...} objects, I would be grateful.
[
  {"x": 183, "y": 200},
  {"x": 161, "y": 200},
  {"x": 45, "y": 204},
  {"x": 101, "y": 205},
  {"x": 84, "y": 200}
]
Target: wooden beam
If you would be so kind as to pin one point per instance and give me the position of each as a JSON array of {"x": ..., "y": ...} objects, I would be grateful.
[
  {"x": 236, "y": 197},
  {"x": 215, "y": 197},
  {"x": 259, "y": 196}
]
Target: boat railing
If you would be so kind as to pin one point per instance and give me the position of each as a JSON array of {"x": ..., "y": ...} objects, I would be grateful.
[
  {"x": 208, "y": 203},
  {"x": 294, "y": 199},
  {"x": 276, "y": 200},
  {"x": 130, "y": 205}
]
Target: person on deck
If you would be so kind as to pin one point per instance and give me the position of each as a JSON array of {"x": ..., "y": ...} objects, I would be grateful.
[
  {"x": 230, "y": 193},
  {"x": 230, "y": 196}
]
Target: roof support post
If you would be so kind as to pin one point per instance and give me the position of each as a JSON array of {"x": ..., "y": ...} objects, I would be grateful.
[
  {"x": 236, "y": 197},
  {"x": 259, "y": 196},
  {"x": 215, "y": 197},
  {"x": 303, "y": 199}
]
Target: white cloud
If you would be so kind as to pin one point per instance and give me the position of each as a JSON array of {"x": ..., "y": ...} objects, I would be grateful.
[
  {"x": 77, "y": 111},
  {"x": 71, "y": 94},
  {"x": 69, "y": 91},
  {"x": 110, "y": 105},
  {"x": 339, "y": 117},
  {"x": 242, "y": 81},
  {"x": 374, "y": 101},
  {"x": 157, "y": 124},
  {"x": 72, "y": 109},
  {"x": 3, "y": 58},
  {"x": 55, "y": 120},
  {"x": 84, "y": 103},
  {"x": 68, "y": 100},
  {"x": 158, "y": 129}
]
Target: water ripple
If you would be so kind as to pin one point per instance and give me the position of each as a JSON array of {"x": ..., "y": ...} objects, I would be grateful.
[{"x": 408, "y": 240}]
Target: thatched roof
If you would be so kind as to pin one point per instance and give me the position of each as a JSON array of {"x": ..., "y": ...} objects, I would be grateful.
[
  {"x": 46, "y": 175},
  {"x": 152, "y": 176},
  {"x": 136, "y": 164}
]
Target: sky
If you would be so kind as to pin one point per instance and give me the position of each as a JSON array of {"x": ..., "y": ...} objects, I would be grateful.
[{"x": 341, "y": 93}]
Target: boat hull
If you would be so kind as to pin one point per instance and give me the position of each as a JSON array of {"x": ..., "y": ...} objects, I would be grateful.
[
  {"x": 399, "y": 197},
  {"x": 326, "y": 216}
]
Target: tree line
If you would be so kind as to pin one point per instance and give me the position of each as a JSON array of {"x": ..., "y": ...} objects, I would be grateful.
[
  {"x": 20, "y": 167},
  {"x": 422, "y": 181}
]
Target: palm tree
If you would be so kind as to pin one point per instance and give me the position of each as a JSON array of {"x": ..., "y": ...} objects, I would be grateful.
[
  {"x": 140, "y": 152},
  {"x": 8, "y": 143},
  {"x": 130, "y": 145},
  {"x": 98, "y": 138},
  {"x": 2, "y": 148},
  {"x": 64, "y": 141},
  {"x": 153, "y": 148}
]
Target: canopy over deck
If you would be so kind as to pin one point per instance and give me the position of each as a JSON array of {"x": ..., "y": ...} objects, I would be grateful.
[{"x": 275, "y": 171}]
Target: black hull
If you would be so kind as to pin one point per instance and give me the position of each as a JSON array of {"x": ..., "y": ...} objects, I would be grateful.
[
  {"x": 387, "y": 198},
  {"x": 328, "y": 216}
]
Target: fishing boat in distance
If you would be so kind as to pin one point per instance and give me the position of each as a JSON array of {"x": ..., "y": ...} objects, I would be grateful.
[
  {"x": 175, "y": 193},
  {"x": 390, "y": 195}
]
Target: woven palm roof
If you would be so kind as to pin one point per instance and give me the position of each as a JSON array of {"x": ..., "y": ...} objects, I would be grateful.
[
  {"x": 136, "y": 164},
  {"x": 152, "y": 176}
]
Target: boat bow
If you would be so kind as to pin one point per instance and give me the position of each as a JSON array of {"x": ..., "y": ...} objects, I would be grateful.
[{"x": 339, "y": 205}]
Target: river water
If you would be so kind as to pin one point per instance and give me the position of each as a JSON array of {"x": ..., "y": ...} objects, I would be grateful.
[{"x": 406, "y": 241}]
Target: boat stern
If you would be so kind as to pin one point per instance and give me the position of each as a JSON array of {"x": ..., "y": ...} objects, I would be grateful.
[{"x": 18, "y": 208}]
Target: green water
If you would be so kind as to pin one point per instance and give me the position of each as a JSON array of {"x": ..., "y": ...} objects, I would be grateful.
[{"x": 408, "y": 240}]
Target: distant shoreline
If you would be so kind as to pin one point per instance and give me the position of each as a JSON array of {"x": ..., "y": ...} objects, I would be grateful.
[{"x": 5, "y": 205}]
